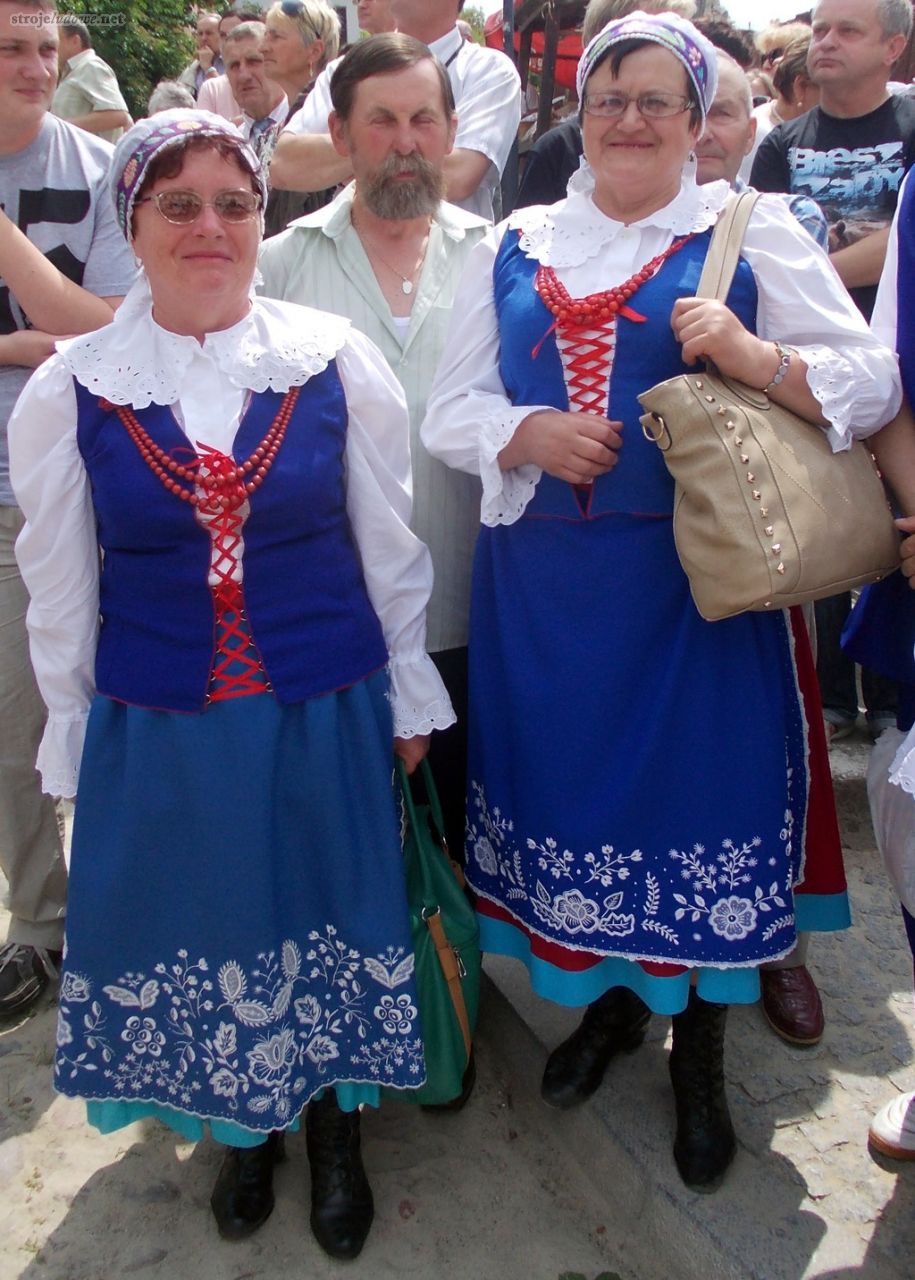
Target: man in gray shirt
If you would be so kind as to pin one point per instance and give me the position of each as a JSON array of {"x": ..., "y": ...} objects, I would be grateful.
[{"x": 64, "y": 266}]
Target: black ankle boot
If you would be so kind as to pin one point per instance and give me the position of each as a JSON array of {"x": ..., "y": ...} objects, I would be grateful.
[
  {"x": 705, "y": 1142},
  {"x": 242, "y": 1198},
  {"x": 341, "y": 1198},
  {"x": 612, "y": 1024}
]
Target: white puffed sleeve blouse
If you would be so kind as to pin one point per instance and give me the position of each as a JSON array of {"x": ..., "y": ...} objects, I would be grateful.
[
  {"x": 134, "y": 361},
  {"x": 802, "y": 303}
]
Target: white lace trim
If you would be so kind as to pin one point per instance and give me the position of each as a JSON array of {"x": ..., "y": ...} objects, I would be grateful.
[
  {"x": 902, "y": 770},
  {"x": 505, "y": 493},
  {"x": 60, "y": 753},
  {"x": 831, "y": 378},
  {"x": 573, "y": 232},
  {"x": 418, "y": 698},
  {"x": 135, "y": 361}
]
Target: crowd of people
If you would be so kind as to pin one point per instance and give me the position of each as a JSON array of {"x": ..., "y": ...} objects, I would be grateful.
[{"x": 311, "y": 460}]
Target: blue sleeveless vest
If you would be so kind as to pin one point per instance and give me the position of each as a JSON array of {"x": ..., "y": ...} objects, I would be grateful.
[
  {"x": 308, "y": 609},
  {"x": 639, "y": 483}
]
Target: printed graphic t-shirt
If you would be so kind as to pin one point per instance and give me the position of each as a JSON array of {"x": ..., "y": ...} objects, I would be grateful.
[
  {"x": 853, "y": 168},
  {"x": 55, "y": 190}
]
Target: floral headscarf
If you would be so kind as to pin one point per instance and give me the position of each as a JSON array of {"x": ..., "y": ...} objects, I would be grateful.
[
  {"x": 140, "y": 145},
  {"x": 671, "y": 32}
]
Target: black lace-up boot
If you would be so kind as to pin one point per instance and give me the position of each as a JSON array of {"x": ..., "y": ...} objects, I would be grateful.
[
  {"x": 612, "y": 1024},
  {"x": 341, "y": 1198},
  {"x": 242, "y": 1198},
  {"x": 705, "y": 1142}
]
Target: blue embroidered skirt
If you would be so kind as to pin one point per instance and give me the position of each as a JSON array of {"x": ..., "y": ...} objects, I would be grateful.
[
  {"x": 237, "y": 933},
  {"x": 637, "y": 776}
]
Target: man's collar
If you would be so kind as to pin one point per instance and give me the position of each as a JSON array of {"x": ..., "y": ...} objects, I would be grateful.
[
  {"x": 277, "y": 113},
  {"x": 447, "y": 46},
  {"x": 78, "y": 58},
  {"x": 334, "y": 219}
]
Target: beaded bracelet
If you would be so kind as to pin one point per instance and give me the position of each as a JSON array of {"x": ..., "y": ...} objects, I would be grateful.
[{"x": 784, "y": 359}]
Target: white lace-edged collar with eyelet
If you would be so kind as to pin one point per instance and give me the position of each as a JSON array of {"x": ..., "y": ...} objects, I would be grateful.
[
  {"x": 572, "y": 232},
  {"x": 135, "y": 361}
]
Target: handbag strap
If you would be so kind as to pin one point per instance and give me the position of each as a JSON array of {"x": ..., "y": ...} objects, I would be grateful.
[
  {"x": 724, "y": 249},
  {"x": 447, "y": 958}
]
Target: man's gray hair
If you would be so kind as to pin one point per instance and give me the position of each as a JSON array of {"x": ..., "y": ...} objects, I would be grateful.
[
  {"x": 600, "y": 12},
  {"x": 746, "y": 93},
  {"x": 895, "y": 17},
  {"x": 168, "y": 94},
  {"x": 246, "y": 31}
]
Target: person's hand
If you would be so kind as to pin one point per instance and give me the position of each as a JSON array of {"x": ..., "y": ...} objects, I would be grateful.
[
  {"x": 412, "y": 751},
  {"x": 205, "y": 56},
  {"x": 907, "y": 548},
  {"x": 28, "y": 347},
  {"x": 709, "y": 330},
  {"x": 576, "y": 447}
]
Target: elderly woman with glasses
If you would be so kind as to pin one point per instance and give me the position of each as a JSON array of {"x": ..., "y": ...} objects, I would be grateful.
[
  {"x": 642, "y": 790},
  {"x": 227, "y": 621}
]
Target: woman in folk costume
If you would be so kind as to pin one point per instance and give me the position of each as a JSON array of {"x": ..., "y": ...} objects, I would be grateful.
[
  {"x": 228, "y": 691},
  {"x": 641, "y": 781}
]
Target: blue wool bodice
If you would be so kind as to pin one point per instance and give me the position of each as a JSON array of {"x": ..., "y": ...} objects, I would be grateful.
[
  {"x": 645, "y": 353},
  {"x": 308, "y": 609}
]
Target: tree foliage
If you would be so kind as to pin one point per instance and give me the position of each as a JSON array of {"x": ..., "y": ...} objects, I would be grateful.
[
  {"x": 473, "y": 14},
  {"x": 145, "y": 41}
]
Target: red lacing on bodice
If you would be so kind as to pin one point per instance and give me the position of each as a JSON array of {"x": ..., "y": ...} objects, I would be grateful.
[
  {"x": 586, "y": 330},
  {"x": 237, "y": 667}
]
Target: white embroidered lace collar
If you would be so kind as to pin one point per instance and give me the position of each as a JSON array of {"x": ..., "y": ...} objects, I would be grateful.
[
  {"x": 572, "y": 232},
  {"x": 135, "y": 361}
]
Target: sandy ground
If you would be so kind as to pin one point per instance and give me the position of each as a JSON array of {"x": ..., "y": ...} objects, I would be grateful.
[{"x": 508, "y": 1190}]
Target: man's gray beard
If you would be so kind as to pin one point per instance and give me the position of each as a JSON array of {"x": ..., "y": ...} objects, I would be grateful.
[{"x": 396, "y": 200}]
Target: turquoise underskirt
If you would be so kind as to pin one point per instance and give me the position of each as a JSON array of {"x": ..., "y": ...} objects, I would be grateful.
[
  {"x": 820, "y": 913},
  {"x": 108, "y": 1117}
]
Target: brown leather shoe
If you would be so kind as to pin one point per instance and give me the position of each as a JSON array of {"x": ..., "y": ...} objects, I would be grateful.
[{"x": 792, "y": 1004}]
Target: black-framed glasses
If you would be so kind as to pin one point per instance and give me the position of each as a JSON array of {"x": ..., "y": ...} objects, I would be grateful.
[
  {"x": 655, "y": 106},
  {"x": 773, "y": 55},
  {"x": 181, "y": 208}
]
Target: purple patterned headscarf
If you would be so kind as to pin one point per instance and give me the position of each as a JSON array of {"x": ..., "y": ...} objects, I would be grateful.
[
  {"x": 148, "y": 138},
  {"x": 671, "y": 32}
]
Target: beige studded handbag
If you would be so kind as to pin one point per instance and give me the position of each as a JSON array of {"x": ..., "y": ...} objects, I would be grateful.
[{"x": 765, "y": 514}]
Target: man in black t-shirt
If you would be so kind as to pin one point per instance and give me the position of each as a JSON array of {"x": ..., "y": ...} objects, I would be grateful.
[{"x": 851, "y": 152}]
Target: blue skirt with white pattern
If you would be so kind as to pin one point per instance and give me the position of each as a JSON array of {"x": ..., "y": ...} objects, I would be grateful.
[{"x": 237, "y": 934}]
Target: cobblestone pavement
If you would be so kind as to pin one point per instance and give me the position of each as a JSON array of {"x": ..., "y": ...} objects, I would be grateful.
[
  {"x": 813, "y": 1106},
  {"x": 805, "y": 1197}
]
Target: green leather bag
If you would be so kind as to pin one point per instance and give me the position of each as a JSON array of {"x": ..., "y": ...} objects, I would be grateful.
[{"x": 446, "y": 944}]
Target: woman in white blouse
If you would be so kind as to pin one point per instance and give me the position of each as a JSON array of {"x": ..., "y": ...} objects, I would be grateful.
[
  {"x": 227, "y": 686},
  {"x": 640, "y": 780}
]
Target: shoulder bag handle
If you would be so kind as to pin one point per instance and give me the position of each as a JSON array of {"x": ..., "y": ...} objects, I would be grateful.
[{"x": 724, "y": 249}]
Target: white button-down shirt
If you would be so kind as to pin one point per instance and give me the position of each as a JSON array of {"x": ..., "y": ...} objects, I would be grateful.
[{"x": 487, "y": 94}]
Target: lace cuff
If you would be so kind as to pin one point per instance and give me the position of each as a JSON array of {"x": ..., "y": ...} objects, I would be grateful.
[
  {"x": 832, "y": 380},
  {"x": 60, "y": 754},
  {"x": 418, "y": 697},
  {"x": 505, "y": 493}
]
